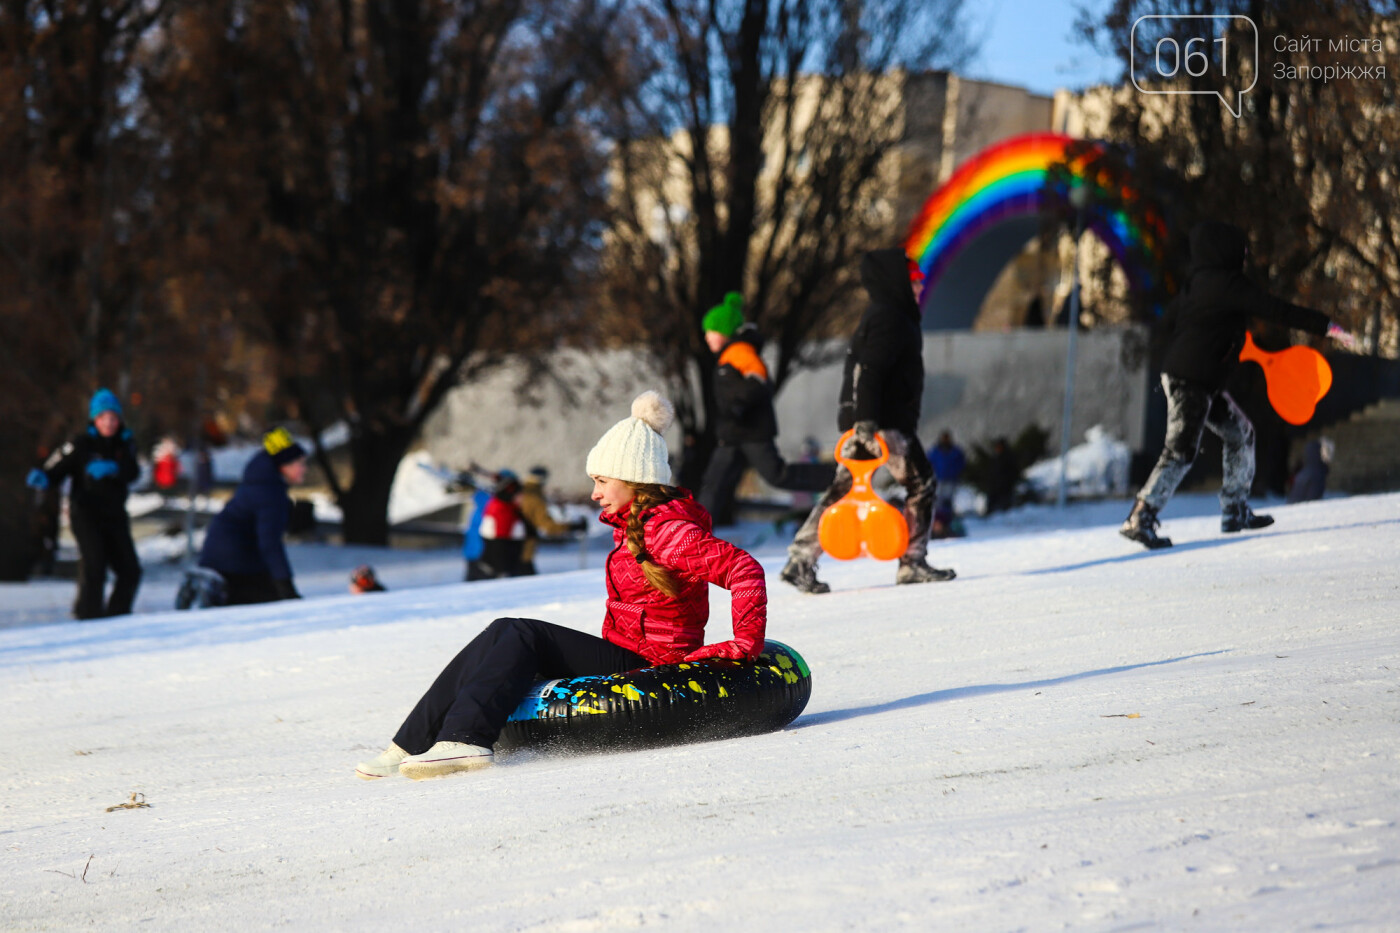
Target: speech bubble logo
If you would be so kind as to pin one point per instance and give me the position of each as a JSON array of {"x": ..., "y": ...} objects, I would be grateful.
[{"x": 1170, "y": 46}]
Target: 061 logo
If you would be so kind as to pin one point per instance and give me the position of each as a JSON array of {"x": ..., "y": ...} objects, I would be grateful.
[{"x": 1196, "y": 54}]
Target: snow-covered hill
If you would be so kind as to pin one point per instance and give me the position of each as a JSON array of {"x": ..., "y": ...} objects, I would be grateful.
[{"x": 1075, "y": 734}]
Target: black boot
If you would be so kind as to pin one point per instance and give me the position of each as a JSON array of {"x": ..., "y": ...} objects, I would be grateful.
[
  {"x": 1141, "y": 527},
  {"x": 1238, "y": 517},
  {"x": 921, "y": 572},
  {"x": 804, "y": 577}
]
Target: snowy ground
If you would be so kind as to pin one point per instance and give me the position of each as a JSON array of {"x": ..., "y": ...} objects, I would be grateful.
[
  {"x": 320, "y": 570},
  {"x": 1075, "y": 734}
]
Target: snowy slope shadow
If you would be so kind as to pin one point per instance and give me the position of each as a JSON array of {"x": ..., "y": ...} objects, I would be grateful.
[
  {"x": 1138, "y": 553},
  {"x": 1182, "y": 546},
  {"x": 87, "y": 641},
  {"x": 957, "y": 693}
]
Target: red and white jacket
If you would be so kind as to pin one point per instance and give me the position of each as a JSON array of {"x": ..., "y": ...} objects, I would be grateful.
[
  {"x": 502, "y": 521},
  {"x": 665, "y": 629}
]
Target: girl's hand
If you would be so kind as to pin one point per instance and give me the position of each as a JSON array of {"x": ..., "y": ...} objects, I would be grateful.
[{"x": 724, "y": 649}]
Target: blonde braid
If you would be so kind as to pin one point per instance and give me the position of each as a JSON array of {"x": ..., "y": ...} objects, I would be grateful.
[{"x": 648, "y": 496}]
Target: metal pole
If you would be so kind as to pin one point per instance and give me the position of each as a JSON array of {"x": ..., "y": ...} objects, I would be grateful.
[
  {"x": 190, "y": 555},
  {"x": 196, "y": 442},
  {"x": 1077, "y": 198}
]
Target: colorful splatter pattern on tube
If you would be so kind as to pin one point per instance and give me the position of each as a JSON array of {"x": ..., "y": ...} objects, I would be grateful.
[{"x": 671, "y": 703}]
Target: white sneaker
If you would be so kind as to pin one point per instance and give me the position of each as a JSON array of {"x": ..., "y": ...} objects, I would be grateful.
[
  {"x": 383, "y": 765},
  {"x": 446, "y": 758}
]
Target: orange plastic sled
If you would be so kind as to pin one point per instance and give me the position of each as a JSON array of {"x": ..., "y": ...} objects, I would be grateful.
[
  {"x": 861, "y": 523},
  {"x": 1297, "y": 378}
]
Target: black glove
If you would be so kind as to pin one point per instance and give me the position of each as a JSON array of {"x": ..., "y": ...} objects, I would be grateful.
[
  {"x": 285, "y": 589},
  {"x": 862, "y": 445}
]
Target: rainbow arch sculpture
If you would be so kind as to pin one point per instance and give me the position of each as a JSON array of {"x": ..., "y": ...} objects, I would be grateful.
[{"x": 993, "y": 205}]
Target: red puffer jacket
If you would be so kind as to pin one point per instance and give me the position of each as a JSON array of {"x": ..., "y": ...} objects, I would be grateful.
[{"x": 665, "y": 630}]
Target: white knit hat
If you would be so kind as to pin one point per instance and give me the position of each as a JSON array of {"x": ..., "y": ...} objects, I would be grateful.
[{"x": 633, "y": 449}]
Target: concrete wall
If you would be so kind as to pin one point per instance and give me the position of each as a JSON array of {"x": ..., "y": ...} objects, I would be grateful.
[
  {"x": 516, "y": 418},
  {"x": 979, "y": 385}
]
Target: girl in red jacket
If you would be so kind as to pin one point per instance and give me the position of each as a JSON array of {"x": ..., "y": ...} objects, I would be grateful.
[{"x": 657, "y": 574}]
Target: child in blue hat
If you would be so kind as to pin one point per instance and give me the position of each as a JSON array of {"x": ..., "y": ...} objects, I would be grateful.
[{"x": 101, "y": 463}]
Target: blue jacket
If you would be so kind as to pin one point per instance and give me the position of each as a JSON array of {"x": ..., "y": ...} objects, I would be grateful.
[
  {"x": 948, "y": 463},
  {"x": 246, "y": 537},
  {"x": 473, "y": 544}
]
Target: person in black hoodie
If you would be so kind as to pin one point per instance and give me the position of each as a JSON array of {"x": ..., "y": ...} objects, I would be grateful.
[
  {"x": 881, "y": 392},
  {"x": 1205, "y": 327},
  {"x": 745, "y": 425},
  {"x": 102, "y": 463},
  {"x": 244, "y": 541}
]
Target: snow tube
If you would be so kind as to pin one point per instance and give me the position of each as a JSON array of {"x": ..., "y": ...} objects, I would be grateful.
[{"x": 696, "y": 701}]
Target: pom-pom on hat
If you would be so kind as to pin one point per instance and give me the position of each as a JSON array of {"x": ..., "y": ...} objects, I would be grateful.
[
  {"x": 104, "y": 400},
  {"x": 633, "y": 450},
  {"x": 725, "y": 317},
  {"x": 282, "y": 447}
]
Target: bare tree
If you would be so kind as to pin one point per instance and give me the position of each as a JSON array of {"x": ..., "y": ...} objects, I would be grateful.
[
  {"x": 1308, "y": 167},
  {"x": 400, "y": 189},
  {"x": 755, "y": 155},
  {"x": 73, "y": 226}
]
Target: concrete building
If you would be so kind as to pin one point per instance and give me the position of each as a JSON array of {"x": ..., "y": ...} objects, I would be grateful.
[{"x": 991, "y": 382}]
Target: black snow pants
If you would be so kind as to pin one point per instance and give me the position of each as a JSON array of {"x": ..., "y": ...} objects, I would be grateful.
[
  {"x": 104, "y": 543},
  {"x": 909, "y": 466},
  {"x": 1192, "y": 409},
  {"x": 247, "y": 589},
  {"x": 726, "y": 467},
  {"x": 478, "y": 690}
]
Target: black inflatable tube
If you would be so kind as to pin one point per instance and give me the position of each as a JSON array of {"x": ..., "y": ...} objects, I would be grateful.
[{"x": 673, "y": 703}]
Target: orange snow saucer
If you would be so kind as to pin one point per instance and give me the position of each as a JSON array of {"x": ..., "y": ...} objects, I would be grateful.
[{"x": 861, "y": 524}]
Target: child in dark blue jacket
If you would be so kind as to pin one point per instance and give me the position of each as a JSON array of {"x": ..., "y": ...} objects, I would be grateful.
[{"x": 244, "y": 542}]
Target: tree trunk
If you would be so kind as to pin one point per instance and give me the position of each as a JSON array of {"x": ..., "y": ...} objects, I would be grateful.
[
  {"x": 365, "y": 506},
  {"x": 16, "y": 511}
]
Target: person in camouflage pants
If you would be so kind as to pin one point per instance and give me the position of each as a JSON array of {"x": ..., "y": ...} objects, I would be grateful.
[
  {"x": 1205, "y": 327},
  {"x": 881, "y": 392}
]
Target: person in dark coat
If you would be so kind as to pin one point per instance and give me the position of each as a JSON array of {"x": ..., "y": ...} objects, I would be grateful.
[
  {"x": 101, "y": 462},
  {"x": 1205, "y": 327},
  {"x": 745, "y": 424},
  {"x": 244, "y": 541},
  {"x": 1310, "y": 482},
  {"x": 1003, "y": 476},
  {"x": 881, "y": 392}
]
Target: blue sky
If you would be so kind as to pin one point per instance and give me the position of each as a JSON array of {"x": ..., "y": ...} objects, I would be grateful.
[{"x": 1032, "y": 44}]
